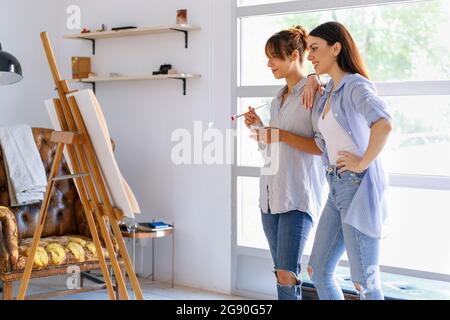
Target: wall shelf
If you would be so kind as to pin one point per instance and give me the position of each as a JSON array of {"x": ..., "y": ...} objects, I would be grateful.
[
  {"x": 182, "y": 76},
  {"x": 93, "y": 36}
]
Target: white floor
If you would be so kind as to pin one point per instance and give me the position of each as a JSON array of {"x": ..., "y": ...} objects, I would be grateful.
[{"x": 151, "y": 290}]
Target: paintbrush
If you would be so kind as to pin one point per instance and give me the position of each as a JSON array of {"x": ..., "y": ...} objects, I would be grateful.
[{"x": 236, "y": 116}]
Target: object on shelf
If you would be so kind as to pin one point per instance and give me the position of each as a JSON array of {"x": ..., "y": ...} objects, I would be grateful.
[
  {"x": 145, "y": 226},
  {"x": 153, "y": 226},
  {"x": 123, "y": 227},
  {"x": 92, "y": 75},
  {"x": 182, "y": 16},
  {"x": 172, "y": 71},
  {"x": 81, "y": 67},
  {"x": 85, "y": 30},
  {"x": 163, "y": 69},
  {"x": 102, "y": 29},
  {"x": 123, "y": 28},
  {"x": 114, "y": 74},
  {"x": 157, "y": 224}
]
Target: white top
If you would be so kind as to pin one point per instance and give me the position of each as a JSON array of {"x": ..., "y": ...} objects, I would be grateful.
[{"x": 336, "y": 139}]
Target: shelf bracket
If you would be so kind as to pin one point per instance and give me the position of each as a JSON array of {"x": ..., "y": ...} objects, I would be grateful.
[
  {"x": 94, "y": 86},
  {"x": 184, "y": 84},
  {"x": 186, "y": 36},
  {"x": 93, "y": 44}
]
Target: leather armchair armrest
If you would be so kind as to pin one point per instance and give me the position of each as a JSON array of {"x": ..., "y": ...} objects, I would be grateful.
[
  {"x": 5, "y": 264},
  {"x": 9, "y": 235}
]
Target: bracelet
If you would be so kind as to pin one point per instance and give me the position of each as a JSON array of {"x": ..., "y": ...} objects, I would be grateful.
[{"x": 318, "y": 78}]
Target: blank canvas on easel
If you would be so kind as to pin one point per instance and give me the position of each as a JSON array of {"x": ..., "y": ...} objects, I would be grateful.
[{"x": 121, "y": 194}]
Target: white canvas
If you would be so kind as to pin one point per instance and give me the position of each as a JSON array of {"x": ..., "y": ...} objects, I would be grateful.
[{"x": 121, "y": 195}]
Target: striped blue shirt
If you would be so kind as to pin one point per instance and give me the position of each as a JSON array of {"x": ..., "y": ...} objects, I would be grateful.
[
  {"x": 356, "y": 106},
  {"x": 298, "y": 182}
]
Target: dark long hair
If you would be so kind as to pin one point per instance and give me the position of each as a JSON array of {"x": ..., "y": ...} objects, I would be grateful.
[{"x": 349, "y": 59}]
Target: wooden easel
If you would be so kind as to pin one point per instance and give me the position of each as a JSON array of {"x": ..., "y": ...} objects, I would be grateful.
[{"x": 91, "y": 189}]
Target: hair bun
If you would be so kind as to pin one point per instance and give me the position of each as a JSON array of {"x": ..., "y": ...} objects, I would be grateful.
[
  {"x": 300, "y": 30},
  {"x": 285, "y": 42},
  {"x": 301, "y": 33}
]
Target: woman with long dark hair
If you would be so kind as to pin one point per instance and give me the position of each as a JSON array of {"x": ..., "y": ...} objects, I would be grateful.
[{"x": 353, "y": 127}]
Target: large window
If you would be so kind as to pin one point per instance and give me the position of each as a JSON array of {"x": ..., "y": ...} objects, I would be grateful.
[{"x": 406, "y": 48}]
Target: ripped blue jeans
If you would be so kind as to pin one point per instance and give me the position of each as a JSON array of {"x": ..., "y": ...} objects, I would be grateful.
[
  {"x": 287, "y": 234},
  {"x": 333, "y": 238}
]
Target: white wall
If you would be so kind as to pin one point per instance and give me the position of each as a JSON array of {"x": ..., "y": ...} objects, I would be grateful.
[
  {"x": 142, "y": 115},
  {"x": 20, "y": 24}
]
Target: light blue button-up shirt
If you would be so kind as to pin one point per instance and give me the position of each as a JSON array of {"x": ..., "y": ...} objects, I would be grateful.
[
  {"x": 297, "y": 185},
  {"x": 356, "y": 106}
]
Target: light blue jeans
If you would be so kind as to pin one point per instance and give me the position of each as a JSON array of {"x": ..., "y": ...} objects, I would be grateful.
[
  {"x": 333, "y": 238},
  {"x": 287, "y": 234}
]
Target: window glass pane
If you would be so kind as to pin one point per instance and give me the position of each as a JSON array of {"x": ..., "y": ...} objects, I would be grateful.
[
  {"x": 247, "y": 148},
  {"x": 255, "y": 31},
  {"x": 250, "y": 231},
  {"x": 419, "y": 229},
  {"x": 394, "y": 48},
  {"x": 420, "y": 142}
]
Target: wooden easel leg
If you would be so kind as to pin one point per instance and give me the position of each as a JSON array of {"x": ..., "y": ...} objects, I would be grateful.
[
  {"x": 120, "y": 280},
  {"x": 7, "y": 290},
  {"x": 126, "y": 258},
  {"x": 100, "y": 255},
  {"x": 72, "y": 151},
  {"x": 40, "y": 226},
  {"x": 122, "y": 271},
  {"x": 88, "y": 162},
  {"x": 104, "y": 231},
  {"x": 105, "y": 234},
  {"x": 98, "y": 246}
]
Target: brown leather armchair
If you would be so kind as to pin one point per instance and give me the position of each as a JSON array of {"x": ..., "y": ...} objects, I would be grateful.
[{"x": 66, "y": 239}]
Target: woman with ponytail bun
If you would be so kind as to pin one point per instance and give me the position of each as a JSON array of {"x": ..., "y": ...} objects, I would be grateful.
[{"x": 290, "y": 197}]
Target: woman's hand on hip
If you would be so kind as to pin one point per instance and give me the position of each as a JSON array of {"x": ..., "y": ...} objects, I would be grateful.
[{"x": 349, "y": 162}]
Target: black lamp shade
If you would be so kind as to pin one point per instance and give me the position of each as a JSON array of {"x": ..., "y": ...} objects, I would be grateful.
[{"x": 10, "y": 69}]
